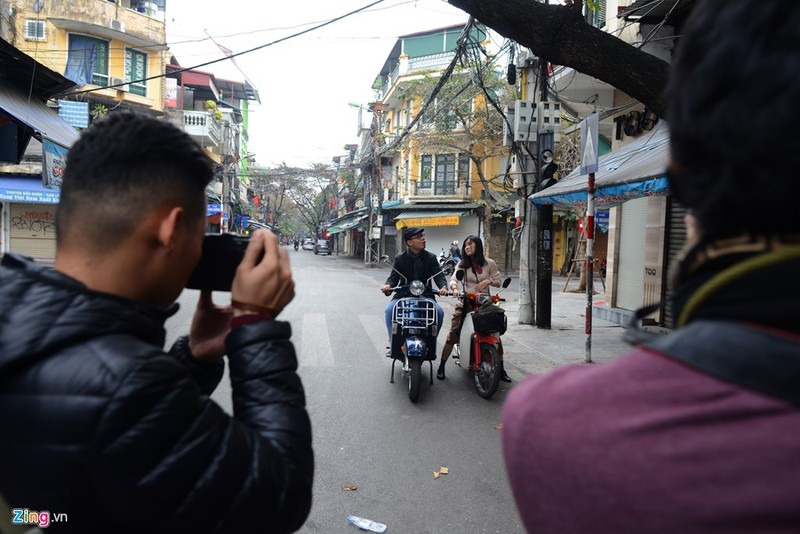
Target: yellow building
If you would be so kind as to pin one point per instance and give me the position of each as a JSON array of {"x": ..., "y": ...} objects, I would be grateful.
[
  {"x": 111, "y": 48},
  {"x": 441, "y": 163}
]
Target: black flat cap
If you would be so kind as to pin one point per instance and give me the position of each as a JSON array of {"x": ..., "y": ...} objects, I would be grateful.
[{"x": 412, "y": 231}]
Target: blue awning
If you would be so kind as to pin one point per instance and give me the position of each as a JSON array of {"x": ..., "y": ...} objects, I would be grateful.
[
  {"x": 636, "y": 170},
  {"x": 22, "y": 189}
]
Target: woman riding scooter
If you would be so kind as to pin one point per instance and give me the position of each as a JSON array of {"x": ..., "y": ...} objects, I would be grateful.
[{"x": 479, "y": 273}]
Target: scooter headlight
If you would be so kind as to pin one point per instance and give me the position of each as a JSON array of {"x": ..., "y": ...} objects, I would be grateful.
[{"x": 416, "y": 288}]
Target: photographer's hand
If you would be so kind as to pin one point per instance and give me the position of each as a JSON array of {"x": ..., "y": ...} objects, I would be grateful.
[
  {"x": 210, "y": 325},
  {"x": 263, "y": 283}
]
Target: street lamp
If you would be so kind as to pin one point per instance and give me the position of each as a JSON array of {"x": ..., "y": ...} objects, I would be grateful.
[{"x": 361, "y": 110}]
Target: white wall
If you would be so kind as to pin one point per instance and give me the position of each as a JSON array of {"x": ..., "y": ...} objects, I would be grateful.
[{"x": 440, "y": 237}]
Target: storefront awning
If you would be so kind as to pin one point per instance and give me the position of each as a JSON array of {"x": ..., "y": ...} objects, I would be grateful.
[
  {"x": 22, "y": 189},
  {"x": 37, "y": 116},
  {"x": 428, "y": 218},
  {"x": 348, "y": 224},
  {"x": 634, "y": 171}
]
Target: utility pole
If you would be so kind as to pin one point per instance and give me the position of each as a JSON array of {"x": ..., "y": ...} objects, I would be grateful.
[
  {"x": 544, "y": 243},
  {"x": 543, "y": 122},
  {"x": 544, "y": 248},
  {"x": 524, "y": 169},
  {"x": 372, "y": 188}
]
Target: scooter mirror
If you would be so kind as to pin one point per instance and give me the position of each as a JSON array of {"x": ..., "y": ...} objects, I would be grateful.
[
  {"x": 506, "y": 282},
  {"x": 460, "y": 276}
]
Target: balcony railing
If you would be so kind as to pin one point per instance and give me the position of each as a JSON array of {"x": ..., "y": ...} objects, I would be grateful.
[
  {"x": 202, "y": 126},
  {"x": 449, "y": 189},
  {"x": 431, "y": 62}
]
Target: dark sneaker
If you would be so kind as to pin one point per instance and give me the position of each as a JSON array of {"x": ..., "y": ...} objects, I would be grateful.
[{"x": 440, "y": 373}]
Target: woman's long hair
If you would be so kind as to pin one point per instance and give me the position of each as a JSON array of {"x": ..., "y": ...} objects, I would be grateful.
[{"x": 477, "y": 257}]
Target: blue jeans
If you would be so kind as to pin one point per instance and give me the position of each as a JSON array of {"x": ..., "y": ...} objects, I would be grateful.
[{"x": 390, "y": 309}]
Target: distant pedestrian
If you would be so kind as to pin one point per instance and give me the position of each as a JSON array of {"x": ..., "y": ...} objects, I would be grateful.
[
  {"x": 455, "y": 252},
  {"x": 696, "y": 431}
]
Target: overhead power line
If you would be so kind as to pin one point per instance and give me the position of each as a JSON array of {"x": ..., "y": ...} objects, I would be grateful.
[{"x": 237, "y": 54}]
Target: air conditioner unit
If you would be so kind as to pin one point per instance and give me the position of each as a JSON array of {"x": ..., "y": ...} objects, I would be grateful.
[
  {"x": 116, "y": 24},
  {"x": 117, "y": 82}
]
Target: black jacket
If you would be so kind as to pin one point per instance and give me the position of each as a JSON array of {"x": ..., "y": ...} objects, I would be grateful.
[
  {"x": 100, "y": 424},
  {"x": 405, "y": 264}
]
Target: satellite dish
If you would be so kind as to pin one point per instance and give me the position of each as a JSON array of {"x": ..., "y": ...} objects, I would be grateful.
[{"x": 38, "y": 5}]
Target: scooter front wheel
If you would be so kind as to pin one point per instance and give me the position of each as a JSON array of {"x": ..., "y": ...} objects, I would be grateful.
[
  {"x": 414, "y": 379},
  {"x": 487, "y": 376}
]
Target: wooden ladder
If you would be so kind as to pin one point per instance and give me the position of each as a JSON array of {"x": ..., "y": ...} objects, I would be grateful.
[{"x": 580, "y": 256}]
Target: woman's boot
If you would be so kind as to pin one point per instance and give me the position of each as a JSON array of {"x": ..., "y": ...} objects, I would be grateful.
[
  {"x": 440, "y": 370},
  {"x": 503, "y": 375}
]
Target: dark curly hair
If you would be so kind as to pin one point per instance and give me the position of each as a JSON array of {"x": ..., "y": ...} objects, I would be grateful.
[{"x": 733, "y": 113}]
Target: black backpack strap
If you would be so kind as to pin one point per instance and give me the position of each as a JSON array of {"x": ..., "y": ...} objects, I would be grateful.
[{"x": 750, "y": 357}]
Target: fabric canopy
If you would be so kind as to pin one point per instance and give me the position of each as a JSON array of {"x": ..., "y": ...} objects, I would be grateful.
[
  {"x": 347, "y": 224},
  {"x": 634, "y": 171},
  {"x": 428, "y": 218},
  {"x": 37, "y": 116}
]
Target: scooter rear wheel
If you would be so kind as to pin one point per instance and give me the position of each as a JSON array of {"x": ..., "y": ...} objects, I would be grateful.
[
  {"x": 414, "y": 379},
  {"x": 487, "y": 377}
]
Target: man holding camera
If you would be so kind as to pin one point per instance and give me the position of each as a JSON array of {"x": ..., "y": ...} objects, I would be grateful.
[{"x": 100, "y": 423}]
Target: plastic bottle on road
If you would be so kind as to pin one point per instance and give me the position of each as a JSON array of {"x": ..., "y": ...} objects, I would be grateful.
[{"x": 366, "y": 524}]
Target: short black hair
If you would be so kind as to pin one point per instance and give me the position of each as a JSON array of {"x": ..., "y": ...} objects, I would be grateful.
[
  {"x": 733, "y": 110},
  {"x": 478, "y": 255},
  {"x": 123, "y": 166}
]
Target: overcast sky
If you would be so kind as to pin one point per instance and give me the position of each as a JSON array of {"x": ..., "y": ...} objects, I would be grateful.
[{"x": 305, "y": 83}]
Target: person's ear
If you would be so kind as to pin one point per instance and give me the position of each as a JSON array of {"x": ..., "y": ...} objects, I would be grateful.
[{"x": 171, "y": 220}]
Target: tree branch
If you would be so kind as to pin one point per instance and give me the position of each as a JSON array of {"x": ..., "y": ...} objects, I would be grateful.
[{"x": 560, "y": 35}]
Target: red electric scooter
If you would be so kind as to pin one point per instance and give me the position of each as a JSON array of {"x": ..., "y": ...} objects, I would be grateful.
[{"x": 484, "y": 321}]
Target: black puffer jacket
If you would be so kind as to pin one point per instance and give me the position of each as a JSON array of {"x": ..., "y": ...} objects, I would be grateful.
[{"x": 103, "y": 426}]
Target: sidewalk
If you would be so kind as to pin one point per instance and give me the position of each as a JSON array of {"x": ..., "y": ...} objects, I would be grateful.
[{"x": 529, "y": 349}]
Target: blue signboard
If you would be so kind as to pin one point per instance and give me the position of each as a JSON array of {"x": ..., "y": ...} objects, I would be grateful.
[
  {"x": 29, "y": 190},
  {"x": 601, "y": 220}
]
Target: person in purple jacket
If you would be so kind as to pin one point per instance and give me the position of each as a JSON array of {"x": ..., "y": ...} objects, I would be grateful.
[{"x": 699, "y": 430}]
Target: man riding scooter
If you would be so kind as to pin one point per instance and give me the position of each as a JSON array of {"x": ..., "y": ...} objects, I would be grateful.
[{"x": 415, "y": 263}]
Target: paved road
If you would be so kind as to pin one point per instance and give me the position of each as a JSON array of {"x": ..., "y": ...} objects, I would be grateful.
[{"x": 367, "y": 433}]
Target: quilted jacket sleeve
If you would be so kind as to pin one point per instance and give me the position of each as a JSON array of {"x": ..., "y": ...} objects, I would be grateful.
[
  {"x": 207, "y": 374},
  {"x": 168, "y": 459}
]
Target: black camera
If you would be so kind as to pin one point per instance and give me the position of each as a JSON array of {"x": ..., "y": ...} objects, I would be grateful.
[{"x": 222, "y": 254}]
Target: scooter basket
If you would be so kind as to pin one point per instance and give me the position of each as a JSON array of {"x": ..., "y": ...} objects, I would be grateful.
[
  {"x": 487, "y": 319},
  {"x": 414, "y": 313}
]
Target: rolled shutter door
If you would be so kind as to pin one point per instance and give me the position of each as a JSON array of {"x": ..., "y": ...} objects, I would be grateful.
[
  {"x": 630, "y": 271},
  {"x": 32, "y": 231}
]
